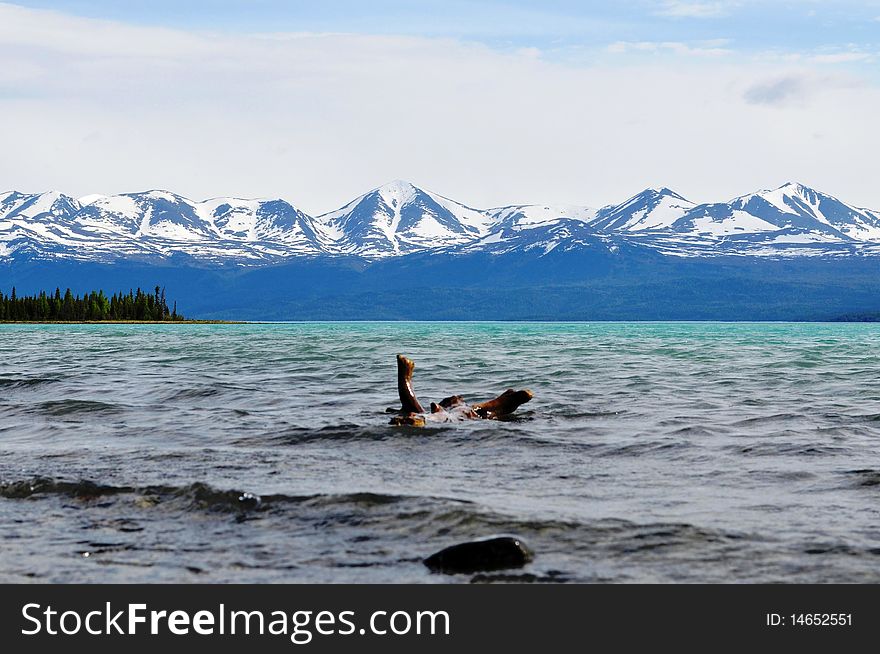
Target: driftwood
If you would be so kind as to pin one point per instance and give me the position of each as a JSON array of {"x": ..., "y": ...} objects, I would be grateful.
[{"x": 450, "y": 409}]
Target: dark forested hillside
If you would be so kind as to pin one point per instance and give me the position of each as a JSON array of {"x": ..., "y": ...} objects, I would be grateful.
[{"x": 587, "y": 285}]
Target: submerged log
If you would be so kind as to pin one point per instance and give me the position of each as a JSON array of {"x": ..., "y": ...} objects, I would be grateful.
[{"x": 450, "y": 409}]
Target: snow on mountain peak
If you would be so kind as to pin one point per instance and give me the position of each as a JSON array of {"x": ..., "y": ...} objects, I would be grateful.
[
  {"x": 663, "y": 191},
  {"x": 160, "y": 194},
  {"x": 796, "y": 188},
  {"x": 527, "y": 216},
  {"x": 399, "y": 218},
  {"x": 798, "y": 211},
  {"x": 89, "y": 199},
  {"x": 789, "y": 189},
  {"x": 397, "y": 192},
  {"x": 650, "y": 209},
  {"x": 47, "y": 206}
]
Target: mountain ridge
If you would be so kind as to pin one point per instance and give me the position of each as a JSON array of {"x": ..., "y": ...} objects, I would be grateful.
[{"x": 400, "y": 219}]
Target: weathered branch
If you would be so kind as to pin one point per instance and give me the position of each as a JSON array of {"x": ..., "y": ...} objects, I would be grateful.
[
  {"x": 408, "y": 401},
  {"x": 503, "y": 405},
  {"x": 450, "y": 409}
]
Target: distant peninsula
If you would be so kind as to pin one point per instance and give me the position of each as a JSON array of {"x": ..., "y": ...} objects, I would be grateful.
[{"x": 136, "y": 306}]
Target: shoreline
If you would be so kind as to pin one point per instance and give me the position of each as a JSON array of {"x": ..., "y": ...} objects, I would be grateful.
[
  {"x": 123, "y": 322},
  {"x": 432, "y": 322}
]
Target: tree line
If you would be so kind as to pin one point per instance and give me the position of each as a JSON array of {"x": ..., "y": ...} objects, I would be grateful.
[{"x": 135, "y": 305}]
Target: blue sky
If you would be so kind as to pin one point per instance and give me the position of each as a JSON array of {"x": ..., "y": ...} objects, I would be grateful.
[
  {"x": 487, "y": 102},
  {"x": 747, "y": 25}
]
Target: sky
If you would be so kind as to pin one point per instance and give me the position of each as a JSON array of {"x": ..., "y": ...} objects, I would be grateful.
[{"x": 490, "y": 103}]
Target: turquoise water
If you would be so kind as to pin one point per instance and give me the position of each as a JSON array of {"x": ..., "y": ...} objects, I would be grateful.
[{"x": 651, "y": 452}]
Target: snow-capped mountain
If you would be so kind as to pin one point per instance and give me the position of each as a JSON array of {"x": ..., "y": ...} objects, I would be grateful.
[
  {"x": 398, "y": 219},
  {"x": 154, "y": 223},
  {"x": 650, "y": 209},
  {"x": 563, "y": 234},
  {"x": 37, "y": 207},
  {"x": 29, "y": 220},
  {"x": 262, "y": 221},
  {"x": 792, "y": 207},
  {"x": 529, "y": 216},
  {"x": 151, "y": 215}
]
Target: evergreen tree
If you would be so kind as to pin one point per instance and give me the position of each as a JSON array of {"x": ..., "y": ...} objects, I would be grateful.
[{"x": 95, "y": 306}]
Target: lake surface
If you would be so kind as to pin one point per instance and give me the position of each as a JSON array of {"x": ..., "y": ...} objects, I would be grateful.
[{"x": 233, "y": 453}]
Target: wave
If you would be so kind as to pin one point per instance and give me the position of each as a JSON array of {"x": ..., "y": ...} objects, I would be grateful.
[
  {"x": 865, "y": 478},
  {"x": 423, "y": 512},
  {"x": 75, "y": 407},
  {"x": 787, "y": 449},
  {"x": 386, "y": 531},
  {"x": 193, "y": 393},
  {"x": 8, "y": 383},
  {"x": 350, "y": 431},
  {"x": 642, "y": 448},
  {"x": 197, "y": 495}
]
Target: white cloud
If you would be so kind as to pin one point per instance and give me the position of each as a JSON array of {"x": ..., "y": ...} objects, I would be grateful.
[
  {"x": 701, "y": 49},
  {"x": 93, "y": 106},
  {"x": 824, "y": 56},
  {"x": 840, "y": 57},
  {"x": 682, "y": 9}
]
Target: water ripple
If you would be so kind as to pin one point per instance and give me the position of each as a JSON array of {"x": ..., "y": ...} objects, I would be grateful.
[{"x": 651, "y": 452}]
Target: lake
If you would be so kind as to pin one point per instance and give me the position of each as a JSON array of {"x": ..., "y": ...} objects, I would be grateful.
[{"x": 651, "y": 452}]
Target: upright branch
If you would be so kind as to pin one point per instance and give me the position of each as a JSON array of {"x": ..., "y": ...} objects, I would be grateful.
[{"x": 408, "y": 401}]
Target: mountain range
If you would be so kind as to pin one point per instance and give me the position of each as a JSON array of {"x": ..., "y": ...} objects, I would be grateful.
[
  {"x": 400, "y": 252},
  {"x": 400, "y": 219}
]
